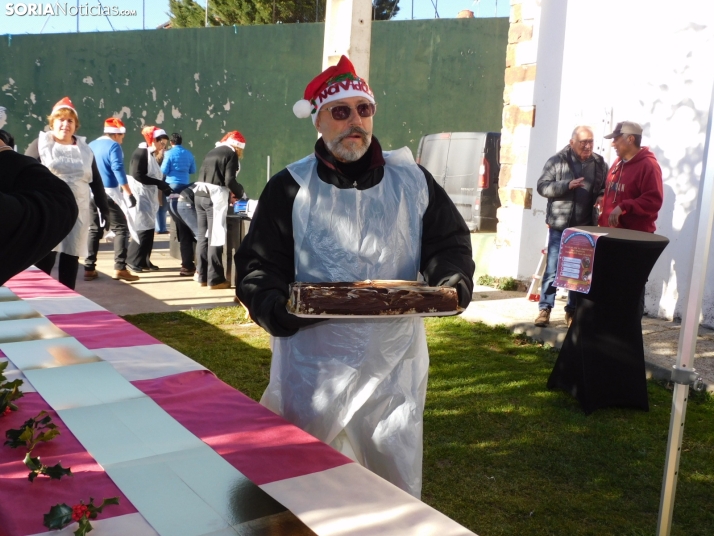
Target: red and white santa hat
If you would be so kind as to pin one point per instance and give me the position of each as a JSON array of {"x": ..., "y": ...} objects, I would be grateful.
[
  {"x": 64, "y": 103},
  {"x": 151, "y": 132},
  {"x": 337, "y": 82},
  {"x": 114, "y": 125},
  {"x": 233, "y": 139}
]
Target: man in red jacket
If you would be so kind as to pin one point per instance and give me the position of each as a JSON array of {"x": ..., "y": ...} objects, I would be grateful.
[{"x": 633, "y": 190}]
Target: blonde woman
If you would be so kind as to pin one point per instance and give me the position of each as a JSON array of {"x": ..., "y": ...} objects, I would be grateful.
[{"x": 70, "y": 158}]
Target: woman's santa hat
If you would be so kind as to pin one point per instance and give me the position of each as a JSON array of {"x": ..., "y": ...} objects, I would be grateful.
[
  {"x": 337, "y": 82},
  {"x": 150, "y": 133},
  {"x": 233, "y": 139},
  {"x": 114, "y": 125},
  {"x": 64, "y": 103}
]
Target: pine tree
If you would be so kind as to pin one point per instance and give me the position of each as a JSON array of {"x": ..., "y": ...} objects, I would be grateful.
[{"x": 384, "y": 9}]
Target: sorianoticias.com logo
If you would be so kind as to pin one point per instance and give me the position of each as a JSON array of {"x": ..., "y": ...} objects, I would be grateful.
[{"x": 58, "y": 9}]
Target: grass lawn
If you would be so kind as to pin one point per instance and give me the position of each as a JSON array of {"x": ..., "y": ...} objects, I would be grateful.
[{"x": 502, "y": 454}]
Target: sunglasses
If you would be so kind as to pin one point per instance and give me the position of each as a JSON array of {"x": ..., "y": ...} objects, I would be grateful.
[{"x": 343, "y": 112}]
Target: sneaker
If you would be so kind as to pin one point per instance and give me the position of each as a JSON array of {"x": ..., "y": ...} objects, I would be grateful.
[
  {"x": 568, "y": 318},
  {"x": 90, "y": 275},
  {"x": 220, "y": 286},
  {"x": 187, "y": 273},
  {"x": 153, "y": 267},
  {"x": 543, "y": 318},
  {"x": 125, "y": 275}
]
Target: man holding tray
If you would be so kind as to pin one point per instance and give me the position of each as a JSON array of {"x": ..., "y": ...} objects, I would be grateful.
[{"x": 351, "y": 212}]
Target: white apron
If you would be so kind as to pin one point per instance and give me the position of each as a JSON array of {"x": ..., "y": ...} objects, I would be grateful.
[
  {"x": 219, "y": 198},
  {"x": 72, "y": 164},
  {"x": 359, "y": 384},
  {"x": 142, "y": 217}
]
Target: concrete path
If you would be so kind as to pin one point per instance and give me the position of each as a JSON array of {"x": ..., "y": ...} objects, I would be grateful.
[
  {"x": 661, "y": 337},
  {"x": 155, "y": 292},
  {"x": 165, "y": 290}
]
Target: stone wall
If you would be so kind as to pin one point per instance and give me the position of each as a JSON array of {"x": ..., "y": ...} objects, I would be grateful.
[{"x": 518, "y": 119}]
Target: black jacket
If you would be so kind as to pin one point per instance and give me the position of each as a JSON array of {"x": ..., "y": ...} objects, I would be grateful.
[
  {"x": 554, "y": 184},
  {"x": 97, "y": 185},
  {"x": 37, "y": 210},
  {"x": 220, "y": 167},
  {"x": 139, "y": 169},
  {"x": 265, "y": 263}
]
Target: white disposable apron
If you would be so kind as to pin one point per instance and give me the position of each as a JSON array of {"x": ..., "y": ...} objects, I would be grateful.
[
  {"x": 72, "y": 164},
  {"x": 219, "y": 199},
  {"x": 359, "y": 384},
  {"x": 142, "y": 217}
]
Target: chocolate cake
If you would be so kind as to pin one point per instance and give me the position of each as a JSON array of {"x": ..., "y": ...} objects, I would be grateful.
[{"x": 371, "y": 298}]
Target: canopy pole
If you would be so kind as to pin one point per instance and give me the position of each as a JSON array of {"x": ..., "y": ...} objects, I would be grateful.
[{"x": 684, "y": 374}]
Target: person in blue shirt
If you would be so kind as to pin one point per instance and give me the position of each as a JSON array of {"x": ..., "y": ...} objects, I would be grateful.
[
  {"x": 110, "y": 162},
  {"x": 177, "y": 165}
]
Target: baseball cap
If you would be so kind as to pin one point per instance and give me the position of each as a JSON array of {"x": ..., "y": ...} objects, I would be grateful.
[{"x": 625, "y": 127}]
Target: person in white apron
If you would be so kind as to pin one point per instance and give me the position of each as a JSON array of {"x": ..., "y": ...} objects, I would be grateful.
[
  {"x": 145, "y": 181},
  {"x": 70, "y": 158},
  {"x": 110, "y": 162},
  {"x": 351, "y": 212},
  {"x": 216, "y": 182}
]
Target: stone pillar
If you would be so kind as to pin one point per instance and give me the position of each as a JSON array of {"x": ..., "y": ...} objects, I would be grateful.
[
  {"x": 348, "y": 31},
  {"x": 519, "y": 113}
]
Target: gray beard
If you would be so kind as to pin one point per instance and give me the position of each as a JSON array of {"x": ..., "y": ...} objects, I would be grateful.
[{"x": 353, "y": 153}]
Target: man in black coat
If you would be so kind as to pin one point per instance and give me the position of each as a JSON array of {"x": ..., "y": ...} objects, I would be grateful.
[
  {"x": 572, "y": 180},
  {"x": 351, "y": 212},
  {"x": 37, "y": 210}
]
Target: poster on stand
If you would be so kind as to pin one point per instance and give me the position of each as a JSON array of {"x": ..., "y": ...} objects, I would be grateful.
[{"x": 576, "y": 259}]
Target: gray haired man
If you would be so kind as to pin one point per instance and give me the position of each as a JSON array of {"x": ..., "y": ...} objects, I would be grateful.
[{"x": 572, "y": 180}]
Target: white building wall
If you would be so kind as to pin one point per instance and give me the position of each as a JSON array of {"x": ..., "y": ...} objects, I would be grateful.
[{"x": 648, "y": 61}]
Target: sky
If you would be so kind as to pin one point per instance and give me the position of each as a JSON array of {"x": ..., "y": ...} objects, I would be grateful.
[{"x": 149, "y": 14}]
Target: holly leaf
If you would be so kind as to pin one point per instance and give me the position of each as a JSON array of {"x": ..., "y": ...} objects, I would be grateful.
[
  {"x": 48, "y": 435},
  {"x": 56, "y": 472},
  {"x": 33, "y": 464},
  {"x": 37, "y": 468},
  {"x": 18, "y": 437},
  {"x": 94, "y": 510},
  {"x": 59, "y": 516},
  {"x": 84, "y": 527}
]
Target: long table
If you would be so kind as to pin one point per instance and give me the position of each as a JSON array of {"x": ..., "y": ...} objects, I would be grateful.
[{"x": 185, "y": 453}]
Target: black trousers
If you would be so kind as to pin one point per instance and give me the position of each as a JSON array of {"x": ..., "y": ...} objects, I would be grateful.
[
  {"x": 117, "y": 223},
  {"x": 67, "y": 269},
  {"x": 209, "y": 259},
  {"x": 139, "y": 252}
]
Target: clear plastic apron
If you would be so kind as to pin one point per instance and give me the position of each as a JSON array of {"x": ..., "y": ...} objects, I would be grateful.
[
  {"x": 142, "y": 217},
  {"x": 72, "y": 164},
  {"x": 358, "y": 384}
]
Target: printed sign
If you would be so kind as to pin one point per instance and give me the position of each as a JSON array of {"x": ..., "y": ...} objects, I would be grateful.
[{"x": 576, "y": 259}]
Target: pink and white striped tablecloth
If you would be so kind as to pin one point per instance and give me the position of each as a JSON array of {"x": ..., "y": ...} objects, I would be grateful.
[{"x": 325, "y": 490}]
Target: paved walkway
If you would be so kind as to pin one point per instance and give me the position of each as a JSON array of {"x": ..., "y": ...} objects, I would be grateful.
[
  {"x": 155, "y": 292},
  {"x": 661, "y": 337},
  {"x": 165, "y": 291}
]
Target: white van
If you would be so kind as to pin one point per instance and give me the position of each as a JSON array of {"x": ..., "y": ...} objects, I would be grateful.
[{"x": 466, "y": 165}]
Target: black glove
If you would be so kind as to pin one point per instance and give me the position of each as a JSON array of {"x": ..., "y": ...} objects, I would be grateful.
[
  {"x": 165, "y": 188},
  {"x": 130, "y": 200},
  {"x": 275, "y": 319},
  {"x": 462, "y": 289},
  {"x": 106, "y": 221}
]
